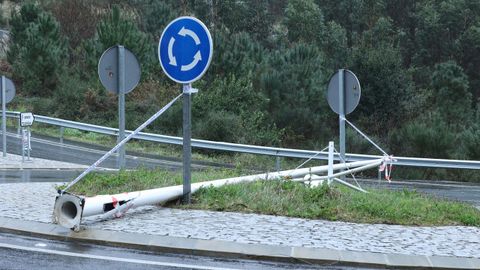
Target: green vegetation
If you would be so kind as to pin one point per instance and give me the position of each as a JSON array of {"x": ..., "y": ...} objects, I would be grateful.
[
  {"x": 104, "y": 183},
  {"x": 293, "y": 199},
  {"x": 417, "y": 62},
  {"x": 287, "y": 198}
]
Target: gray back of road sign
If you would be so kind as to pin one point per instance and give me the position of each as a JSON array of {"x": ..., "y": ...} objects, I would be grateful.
[
  {"x": 352, "y": 92},
  {"x": 9, "y": 91},
  {"x": 108, "y": 70}
]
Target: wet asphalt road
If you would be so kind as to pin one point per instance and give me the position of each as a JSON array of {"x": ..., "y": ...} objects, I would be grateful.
[
  {"x": 28, "y": 175},
  {"x": 458, "y": 191},
  {"x": 86, "y": 154},
  {"x": 20, "y": 252}
]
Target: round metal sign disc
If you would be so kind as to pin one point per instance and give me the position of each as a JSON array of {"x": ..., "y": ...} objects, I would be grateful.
[
  {"x": 9, "y": 91},
  {"x": 185, "y": 49},
  {"x": 108, "y": 70},
  {"x": 352, "y": 91}
]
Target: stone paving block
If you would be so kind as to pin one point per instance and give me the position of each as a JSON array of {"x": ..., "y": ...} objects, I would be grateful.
[
  {"x": 316, "y": 254},
  {"x": 407, "y": 260},
  {"x": 454, "y": 262},
  {"x": 363, "y": 257}
]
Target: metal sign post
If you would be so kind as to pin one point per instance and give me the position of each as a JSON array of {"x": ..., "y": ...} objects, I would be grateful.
[
  {"x": 121, "y": 106},
  {"x": 343, "y": 97},
  {"x": 26, "y": 120},
  {"x": 119, "y": 72},
  {"x": 26, "y": 144},
  {"x": 4, "y": 118},
  {"x": 187, "y": 144},
  {"x": 185, "y": 51},
  {"x": 341, "y": 115},
  {"x": 7, "y": 92}
]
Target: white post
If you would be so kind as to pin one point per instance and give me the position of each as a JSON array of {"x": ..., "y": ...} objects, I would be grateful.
[
  {"x": 29, "y": 134},
  {"x": 330, "y": 161},
  {"x": 24, "y": 139}
]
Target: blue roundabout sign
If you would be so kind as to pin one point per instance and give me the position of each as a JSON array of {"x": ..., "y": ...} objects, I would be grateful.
[{"x": 185, "y": 49}]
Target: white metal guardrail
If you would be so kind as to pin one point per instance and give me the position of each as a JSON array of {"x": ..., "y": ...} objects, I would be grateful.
[{"x": 252, "y": 149}]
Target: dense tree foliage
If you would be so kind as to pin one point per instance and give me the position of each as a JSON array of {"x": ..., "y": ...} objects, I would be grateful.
[
  {"x": 418, "y": 63},
  {"x": 39, "y": 52}
]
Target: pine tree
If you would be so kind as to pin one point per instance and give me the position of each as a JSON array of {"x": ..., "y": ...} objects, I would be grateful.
[{"x": 38, "y": 51}]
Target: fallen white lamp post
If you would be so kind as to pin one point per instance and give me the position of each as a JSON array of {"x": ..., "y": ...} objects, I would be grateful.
[
  {"x": 316, "y": 180},
  {"x": 69, "y": 209}
]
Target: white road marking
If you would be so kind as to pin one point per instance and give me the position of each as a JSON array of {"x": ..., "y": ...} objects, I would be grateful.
[{"x": 109, "y": 258}]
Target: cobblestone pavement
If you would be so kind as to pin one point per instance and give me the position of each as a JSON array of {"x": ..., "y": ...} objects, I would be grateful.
[{"x": 34, "y": 202}]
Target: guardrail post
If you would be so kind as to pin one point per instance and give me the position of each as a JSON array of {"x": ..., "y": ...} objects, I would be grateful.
[
  {"x": 62, "y": 130},
  {"x": 277, "y": 163}
]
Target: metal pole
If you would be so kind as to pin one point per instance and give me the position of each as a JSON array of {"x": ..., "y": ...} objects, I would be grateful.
[
  {"x": 4, "y": 118},
  {"x": 187, "y": 146},
  {"x": 277, "y": 163},
  {"x": 23, "y": 143},
  {"x": 341, "y": 89},
  {"x": 121, "y": 106},
  {"x": 29, "y": 134},
  {"x": 62, "y": 130}
]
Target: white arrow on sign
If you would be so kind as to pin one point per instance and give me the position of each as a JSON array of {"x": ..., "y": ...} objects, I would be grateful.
[
  {"x": 197, "y": 58},
  {"x": 173, "y": 60},
  {"x": 187, "y": 32}
]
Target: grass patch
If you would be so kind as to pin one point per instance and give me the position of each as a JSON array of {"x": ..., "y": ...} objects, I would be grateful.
[
  {"x": 293, "y": 199},
  {"x": 124, "y": 181}
]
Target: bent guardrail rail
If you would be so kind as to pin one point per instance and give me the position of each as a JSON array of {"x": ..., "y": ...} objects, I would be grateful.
[{"x": 253, "y": 149}]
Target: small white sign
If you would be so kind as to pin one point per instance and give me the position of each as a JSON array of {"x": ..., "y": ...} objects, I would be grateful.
[{"x": 26, "y": 119}]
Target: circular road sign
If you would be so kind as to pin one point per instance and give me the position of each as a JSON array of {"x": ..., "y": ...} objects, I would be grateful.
[
  {"x": 9, "y": 91},
  {"x": 351, "y": 94},
  {"x": 185, "y": 49},
  {"x": 108, "y": 69}
]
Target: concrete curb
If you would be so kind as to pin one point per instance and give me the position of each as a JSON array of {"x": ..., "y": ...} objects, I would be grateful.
[{"x": 233, "y": 249}]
